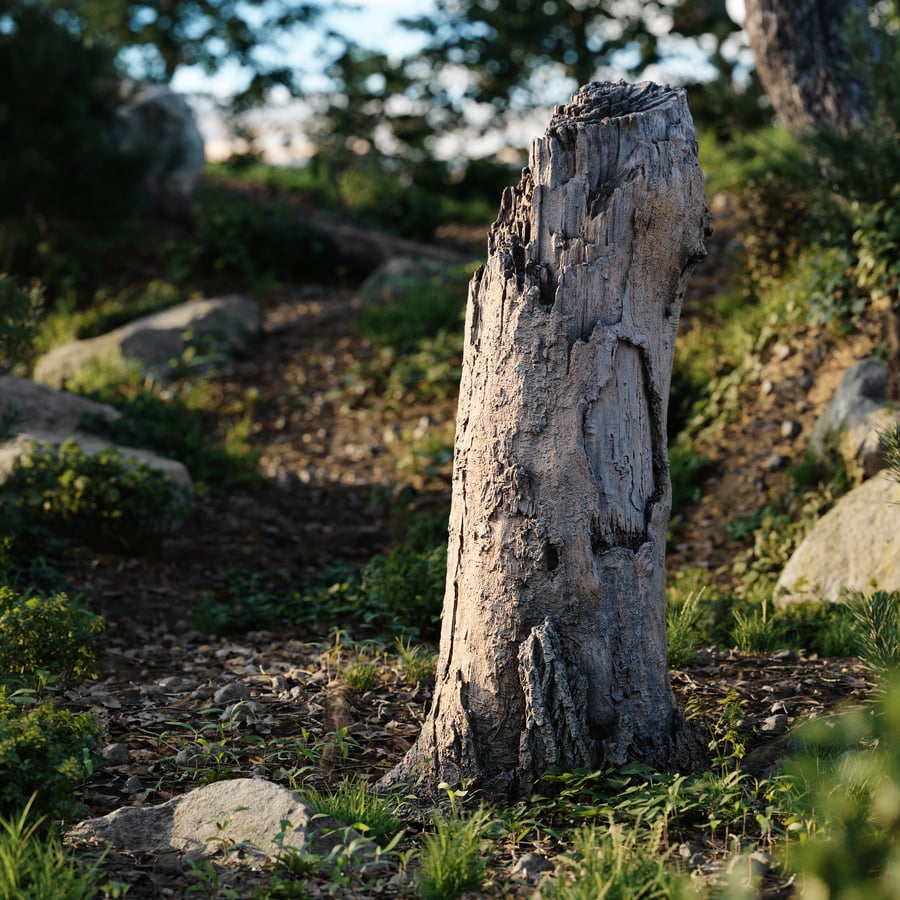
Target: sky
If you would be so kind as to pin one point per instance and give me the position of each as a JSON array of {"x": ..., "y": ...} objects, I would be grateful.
[{"x": 373, "y": 24}]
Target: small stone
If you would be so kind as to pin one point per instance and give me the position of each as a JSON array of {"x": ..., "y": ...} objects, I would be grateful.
[
  {"x": 806, "y": 382},
  {"x": 175, "y": 684},
  {"x": 766, "y": 388},
  {"x": 237, "y": 690},
  {"x": 785, "y": 655},
  {"x": 775, "y": 724},
  {"x": 183, "y": 758},
  {"x": 116, "y": 754},
  {"x": 242, "y": 711},
  {"x": 790, "y": 429},
  {"x": 530, "y": 867},
  {"x": 776, "y": 461},
  {"x": 781, "y": 351},
  {"x": 754, "y": 865},
  {"x": 133, "y": 785},
  {"x": 779, "y": 707}
]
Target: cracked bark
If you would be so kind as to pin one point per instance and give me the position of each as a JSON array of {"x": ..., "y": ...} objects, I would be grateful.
[{"x": 553, "y": 645}]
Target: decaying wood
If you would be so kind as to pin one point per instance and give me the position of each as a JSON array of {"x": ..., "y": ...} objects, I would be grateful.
[{"x": 553, "y": 645}]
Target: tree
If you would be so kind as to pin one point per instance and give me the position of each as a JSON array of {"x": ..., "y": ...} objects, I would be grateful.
[
  {"x": 157, "y": 37},
  {"x": 553, "y": 643},
  {"x": 803, "y": 63}
]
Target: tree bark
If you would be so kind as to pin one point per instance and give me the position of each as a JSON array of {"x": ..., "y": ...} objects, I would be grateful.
[
  {"x": 802, "y": 60},
  {"x": 553, "y": 643}
]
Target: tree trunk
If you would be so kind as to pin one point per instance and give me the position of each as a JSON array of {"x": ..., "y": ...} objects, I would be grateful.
[
  {"x": 802, "y": 61},
  {"x": 553, "y": 644}
]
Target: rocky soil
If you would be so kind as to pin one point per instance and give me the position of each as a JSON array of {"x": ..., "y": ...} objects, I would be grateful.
[{"x": 329, "y": 464}]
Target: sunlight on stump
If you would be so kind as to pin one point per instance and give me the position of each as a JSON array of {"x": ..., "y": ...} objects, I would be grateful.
[{"x": 553, "y": 642}]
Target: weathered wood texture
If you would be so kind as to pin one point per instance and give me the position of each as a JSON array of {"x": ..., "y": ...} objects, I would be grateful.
[
  {"x": 553, "y": 645},
  {"x": 801, "y": 60}
]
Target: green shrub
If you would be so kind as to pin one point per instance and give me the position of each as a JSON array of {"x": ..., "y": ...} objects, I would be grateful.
[
  {"x": 876, "y": 623},
  {"x": 34, "y": 865},
  {"x": 53, "y": 634},
  {"x": 176, "y": 427},
  {"x": 19, "y": 323},
  {"x": 235, "y": 239},
  {"x": 65, "y": 188},
  {"x": 846, "y": 790},
  {"x": 102, "y": 500},
  {"x": 355, "y": 803},
  {"x": 44, "y": 752}
]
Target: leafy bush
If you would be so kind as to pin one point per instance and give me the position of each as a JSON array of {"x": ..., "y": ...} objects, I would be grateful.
[
  {"x": 64, "y": 187},
  {"x": 237, "y": 239},
  {"x": 19, "y": 322},
  {"x": 54, "y": 634},
  {"x": 846, "y": 785},
  {"x": 44, "y": 752},
  {"x": 175, "y": 426},
  {"x": 102, "y": 499}
]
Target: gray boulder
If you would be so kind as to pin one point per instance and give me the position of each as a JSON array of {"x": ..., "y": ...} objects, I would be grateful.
[
  {"x": 261, "y": 816},
  {"x": 45, "y": 415},
  {"x": 855, "y": 418},
  {"x": 160, "y": 125},
  {"x": 222, "y": 324},
  {"x": 855, "y": 545}
]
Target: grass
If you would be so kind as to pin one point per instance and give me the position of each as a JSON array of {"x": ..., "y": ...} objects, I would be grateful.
[{"x": 355, "y": 802}]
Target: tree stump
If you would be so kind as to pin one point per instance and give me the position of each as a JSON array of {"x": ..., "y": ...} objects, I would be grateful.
[{"x": 553, "y": 643}]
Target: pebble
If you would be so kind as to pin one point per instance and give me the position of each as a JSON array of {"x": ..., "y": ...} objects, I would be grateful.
[
  {"x": 790, "y": 429},
  {"x": 133, "y": 785},
  {"x": 530, "y": 867},
  {"x": 242, "y": 711},
  {"x": 756, "y": 865},
  {"x": 777, "y": 724},
  {"x": 237, "y": 690},
  {"x": 116, "y": 754},
  {"x": 776, "y": 461}
]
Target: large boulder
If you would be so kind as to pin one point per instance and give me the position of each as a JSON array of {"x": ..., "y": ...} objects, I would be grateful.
[
  {"x": 262, "y": 817},
  {"x": 159, "y": 125},
  {"x": 221, "y": 325},
  {"x": 855, "y": 545},
  {"x": 39, "y": 413},
  {"x": 855, "y": 419}
]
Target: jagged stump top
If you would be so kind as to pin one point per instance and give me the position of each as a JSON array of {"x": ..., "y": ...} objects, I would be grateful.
[{"x": 596, "y": 102}]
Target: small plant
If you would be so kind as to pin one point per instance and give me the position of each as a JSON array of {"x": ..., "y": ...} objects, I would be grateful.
[
  {"x": 453, "y": 859},
  {"x": 54, "y": 634},
  {"x": 33, "y": 863},
  {"x": 419, "y": 662},
  {"x": 44, "y": 752},
  {"x": 103, "y": 499},
  {"x": 360, "y": 675},
  {"x": 756, "y": 632},
  {"x": 617, "y": 863},
  {"x": 22, "y": 311},
  {"x": 681, "y": 628},
  {"x": 876, "y": 621},
  {"x": 354, "y": 802}
]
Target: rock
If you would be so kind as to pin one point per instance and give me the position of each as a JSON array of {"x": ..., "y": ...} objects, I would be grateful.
[
  {"x": 775, "y": 724},
  {"x": 153, "y": 342},
  {"x": 855, "y": 545},
  {"x": 48, "y": 416},
  {"x": 159, "y": 125},
  {"x": 530, "y": 867},
  {"x": 790, "y": 429},
  {"x": 855, "y": 418},
  {"x": 116, "y": 754},
  {"x": 237, "y": 690},
  {"x": 776, "y": 461},
  {"x": 198, "y": 823}
]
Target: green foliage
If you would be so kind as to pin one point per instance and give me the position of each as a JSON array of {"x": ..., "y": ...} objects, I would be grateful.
[
  {"x": 236, "y": 240},
  {"x": 179, "y": 424},
  {"x": 44, "y": 752},
  {"x": 34, "y": 865},
  {"x": 617, "y": 863},
  {"x": 756, "y": 632},
  {"x": 401, "y": 314},
  {"x": 65, "y": 188},
  {"x": 419, "y": 662},
  {"x": 681, "y": 628},
  {"x": 19, "y": 323},
  {"x": 38, "y": 633},
  {"x": 355, "y": 803},
  {"x": 360, "y": 675},
  {"x": 846, "y": 786},
  {"x": 103, "y": 500},
  {"x": 686, "y": 469},
  {"x": 876, "y": 621},
  {"x": 453, "y": 859}
]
